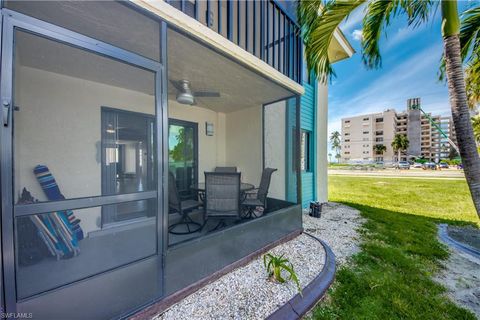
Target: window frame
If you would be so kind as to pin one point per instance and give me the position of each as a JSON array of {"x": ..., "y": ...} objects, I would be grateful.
[{"x": 306, "y": 148}]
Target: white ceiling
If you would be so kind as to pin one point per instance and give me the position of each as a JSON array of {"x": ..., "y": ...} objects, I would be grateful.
[
  {"x": 209, "y": 71},
  {"x": 41, "y": 53}
]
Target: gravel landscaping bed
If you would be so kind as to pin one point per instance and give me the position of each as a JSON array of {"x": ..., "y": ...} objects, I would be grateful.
[
  {"x": 338, "y": 227},
  {"x": 246, "y": 293}
]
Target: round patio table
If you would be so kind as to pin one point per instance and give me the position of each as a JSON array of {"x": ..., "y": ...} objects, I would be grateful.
[{"x": 200, "y": 187}]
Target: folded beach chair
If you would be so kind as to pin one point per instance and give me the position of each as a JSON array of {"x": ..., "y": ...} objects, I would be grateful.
[
  {"x": 52, "y": 191},
  {"x": 35, "y": 240}
]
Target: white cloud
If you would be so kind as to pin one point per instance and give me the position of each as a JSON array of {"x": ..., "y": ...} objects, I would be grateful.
[{"x": 357, "y": 35}]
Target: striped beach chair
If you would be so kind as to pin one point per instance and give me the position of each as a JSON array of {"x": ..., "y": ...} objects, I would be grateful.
[{"x": 69, "y": 224}]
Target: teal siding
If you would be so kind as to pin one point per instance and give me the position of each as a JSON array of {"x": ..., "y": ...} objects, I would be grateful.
[
  {"x": 307, "y": 112},
  {"x": 308, "y": 122}
]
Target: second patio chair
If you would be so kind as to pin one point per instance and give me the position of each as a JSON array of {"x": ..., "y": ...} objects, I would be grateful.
[
  {"x": 257, "y": 198},
  {"x": 225, "y": 169},
  {"x": 222, "y": 197},
  {"x": 184, "y": 208}
]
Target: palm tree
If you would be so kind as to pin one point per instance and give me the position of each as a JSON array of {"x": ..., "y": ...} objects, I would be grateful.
[
  {"x": 338, "y": 156},
  {"x": 379, "y": 149},
  {"x": 330, "y": 158},
  {"x": 335, "y": 140},
  {"x": 400, "y": 143},
  {"x": 319, "y": 22}
]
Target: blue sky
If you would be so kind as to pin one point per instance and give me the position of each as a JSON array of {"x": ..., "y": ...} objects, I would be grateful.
[{"x": 409, "y": 69}]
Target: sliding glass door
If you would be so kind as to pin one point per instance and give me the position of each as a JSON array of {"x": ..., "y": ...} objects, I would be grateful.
[
  {"x": 128, "y": 163},
  {"x": 183, "y": 155},
  {"x": 81, "y": 211}
]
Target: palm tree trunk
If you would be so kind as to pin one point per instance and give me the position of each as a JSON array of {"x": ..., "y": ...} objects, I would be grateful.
[{"x": 461, "y": 116}]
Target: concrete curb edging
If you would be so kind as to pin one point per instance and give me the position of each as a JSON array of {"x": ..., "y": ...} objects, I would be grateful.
[
  {"x": 443, "y": 235},
  {"x": 298, "y": 306}
]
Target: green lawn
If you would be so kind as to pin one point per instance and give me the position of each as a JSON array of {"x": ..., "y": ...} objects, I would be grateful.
[
  {"x": 391, "y": 277},
  {"x": 435, "y": 198}
]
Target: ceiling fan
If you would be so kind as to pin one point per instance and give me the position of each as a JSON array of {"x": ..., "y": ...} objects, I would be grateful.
[{"x": 185, "y": 95}]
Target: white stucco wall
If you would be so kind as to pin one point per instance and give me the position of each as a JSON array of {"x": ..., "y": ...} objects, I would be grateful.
[
  {"x": 275, "y": 122},
  {"x": 322, "y": 147},
  {"x": 59, "y": 125},
  {"x": 244, "y": 143}
]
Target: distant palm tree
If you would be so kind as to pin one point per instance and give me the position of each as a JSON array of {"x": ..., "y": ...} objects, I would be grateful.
[
  {"x": 338, "y": 156},
  {"x": 330, "y": 157},
  {"x": 319, "y": 21},
  {"x": 379, "y": 149},
  {"x": 400, "y": 143},
  {"x": 335, "y": 140}
]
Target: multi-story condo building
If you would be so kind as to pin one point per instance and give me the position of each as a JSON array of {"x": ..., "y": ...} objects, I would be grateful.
[
  {"x": 119, "y": 122},
  {"x": 360, "y": 135}
]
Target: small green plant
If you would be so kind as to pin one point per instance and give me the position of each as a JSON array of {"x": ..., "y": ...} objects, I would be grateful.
[{"x": 275, "y": 265}]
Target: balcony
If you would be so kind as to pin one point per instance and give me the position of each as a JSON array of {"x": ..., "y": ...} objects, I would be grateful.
[{"x": 263, "y": 28}]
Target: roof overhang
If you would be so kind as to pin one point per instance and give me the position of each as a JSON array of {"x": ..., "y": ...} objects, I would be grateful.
[
  {"x": 340, "y": 48},
  {"x": 210, "y": 37}
]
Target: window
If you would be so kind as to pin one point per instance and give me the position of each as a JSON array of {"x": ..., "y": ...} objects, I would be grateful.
[
  {"x": 379, "y": 120},
  {"x": 366, "y": 119},
  {"x": 365, "y": 139},
  {"x": 347, "y": 152},
  {"x": 346, "y": 134},
  {"x": 347, "y": 121},
  {"x": 379, "y": 140},
  {"x": 347, "y": 140},
  {"x": 305, "y": 150},
  {"x": 366, "y": 132}
]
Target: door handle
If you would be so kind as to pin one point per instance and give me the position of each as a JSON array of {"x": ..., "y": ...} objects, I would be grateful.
[{"x": 6, "y": 111}]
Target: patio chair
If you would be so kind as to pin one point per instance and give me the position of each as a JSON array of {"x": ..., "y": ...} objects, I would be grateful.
[
  {"x": 222, "y": 197},
  {"x": 257, "y": 198},
  {"x": 226, "y": 169},
  {"x": 181, "y": 207}
]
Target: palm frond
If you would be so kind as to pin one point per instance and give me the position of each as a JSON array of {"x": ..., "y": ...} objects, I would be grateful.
[
  {"x": 469, "y": 32},
  {"x": 376, "y": 18},
  {"x": 318, "y": 26},
  {"x": 470, "y": 50},
  {"x": 307, "y": 13},
  {"x": 418, "y": 11}
]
